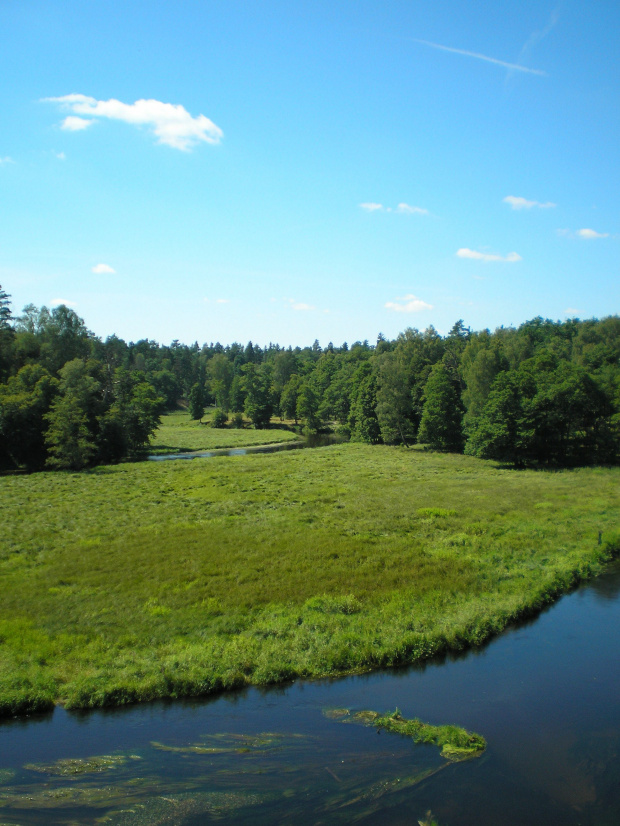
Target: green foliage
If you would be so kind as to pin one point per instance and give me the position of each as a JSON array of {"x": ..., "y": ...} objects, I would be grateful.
[
  {"x": 147, "y": 580},
  {"x": 24, "y": 403},
  {"x": 363, "y": 423},
  {"x": 547, "y": 411},
  {"x": 218, "y": 418},
  {"x": 258, "y": 405},
  {"x": 197, "y": 401},
  {"x": 441, "y": 425},
  {"x": 456, "y": 743}
]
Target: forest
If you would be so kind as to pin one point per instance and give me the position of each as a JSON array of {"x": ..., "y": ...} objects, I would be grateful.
[{"x": 545, "y": 394}]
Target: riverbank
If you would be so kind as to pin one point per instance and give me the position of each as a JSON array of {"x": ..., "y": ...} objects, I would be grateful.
[
  {"x": 149, "y": 580},
  {"x": 178, "y": 433}
]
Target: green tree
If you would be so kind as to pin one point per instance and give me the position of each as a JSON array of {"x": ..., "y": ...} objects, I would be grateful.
[
  {"x": 221, "y": 374},
  {"x": 258, "y": 400},
  {"x": 288, "y": 398},
  {"x": 196, "y": 402},
  {"x": 441, "y": 425},
  {"x": 308, "y": 407},
  {"x": 70, "y": 443},
  {"x": 395, "y": 411},
  {"x": 363, "y": 424},
  {"x": 24, "y": 401}
]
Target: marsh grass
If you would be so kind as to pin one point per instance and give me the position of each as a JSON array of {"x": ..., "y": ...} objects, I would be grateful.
[
  {"x": 148, "y": 580},
  {"x": 178, "y": 433}
]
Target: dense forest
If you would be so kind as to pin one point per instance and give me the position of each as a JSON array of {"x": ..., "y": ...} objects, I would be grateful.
[{"x": 543, "y": 394}]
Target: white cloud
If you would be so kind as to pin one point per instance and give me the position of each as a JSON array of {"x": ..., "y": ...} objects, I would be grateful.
[
  {"x": 412, "y": 304},
  {"x": 57, "y": 302},
  {"x": 590, "y": 234},
  {"x": 171, "y": 123},
  {"x": 73, "y": 124},
  {"x": 412, "y": 210},
  {"x": 222, "y": 301},
  {"x": 103, "y": 269},
  {"x": 486, "y": 256},
  {"x": 514, "y": 66},
  {"x": 299, "y": 305},
  {"x": 572, "y": 312},
  {"x": 6, "y": 159},
  {"x": 402, "y": 208},
  {"x": 523, "y": 203},
  {"x": 61, "y": 156}
]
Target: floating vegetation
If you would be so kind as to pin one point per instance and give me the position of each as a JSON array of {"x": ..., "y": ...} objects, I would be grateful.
[
  {"x": 80, "y": 765},
  {"x": 457, "y": 744},
  {"x": 6, "y": 775},
  {"x": 335, "y": 713},
  {"x": 234, "y": 743},
  {"x": 172, "y": 809}
]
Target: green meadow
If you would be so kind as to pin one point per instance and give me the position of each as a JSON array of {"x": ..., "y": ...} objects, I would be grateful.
[
  {"x": 178, "y": 433},
  {"x": 166, "y": 579}
]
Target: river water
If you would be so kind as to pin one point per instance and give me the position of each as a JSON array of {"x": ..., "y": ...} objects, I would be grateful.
[{"x": 545, "y": 695}]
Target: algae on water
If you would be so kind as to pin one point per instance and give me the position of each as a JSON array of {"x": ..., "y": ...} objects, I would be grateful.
[
  {"x": 79, "y": 765},
  {"x": 457, "y": 744}
]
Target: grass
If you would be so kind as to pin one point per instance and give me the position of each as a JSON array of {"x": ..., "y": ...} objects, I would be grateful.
[
  {"x": 147, "y": 580},
  {"x": 456, "y": 743},
  {"x": 178, "y": 434}
]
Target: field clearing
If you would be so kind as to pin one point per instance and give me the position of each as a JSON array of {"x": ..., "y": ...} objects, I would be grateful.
[
  {"x": 178, "y": 433},
  {"x": 137, "y": 581}
]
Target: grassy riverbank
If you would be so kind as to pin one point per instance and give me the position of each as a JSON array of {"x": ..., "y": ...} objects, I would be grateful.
[
  {"x": 149, "y": 580},
  {"x": 178, "y": 433}
]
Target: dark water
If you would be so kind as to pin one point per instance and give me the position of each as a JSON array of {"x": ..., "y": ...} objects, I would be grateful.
[
  {"x": 319, "y": 440},
  {"x": 546, "y": 696}
]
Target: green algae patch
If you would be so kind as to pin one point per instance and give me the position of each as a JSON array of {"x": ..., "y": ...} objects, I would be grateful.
[
  {"x": 456, "y": 743},
  {"x": 224, "y": 743},
  {"x": 79, "y": 765}
]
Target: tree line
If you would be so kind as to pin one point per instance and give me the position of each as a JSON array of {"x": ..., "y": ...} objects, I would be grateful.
[{"x": 544, "y": 394}]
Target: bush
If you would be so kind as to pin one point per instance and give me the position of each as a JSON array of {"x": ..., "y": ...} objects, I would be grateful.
[{"x": 219, "y": 418}]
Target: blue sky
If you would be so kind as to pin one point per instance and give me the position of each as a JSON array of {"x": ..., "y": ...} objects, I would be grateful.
[{"x": 285, "y": 171}]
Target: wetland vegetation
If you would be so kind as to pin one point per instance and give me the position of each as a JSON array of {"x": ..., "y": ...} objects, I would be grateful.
[{"x": 147, "y": 580}]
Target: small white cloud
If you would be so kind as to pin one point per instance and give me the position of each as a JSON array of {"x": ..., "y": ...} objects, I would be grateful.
[
  {"x": 299, "y": 305},
  {"x": 523, "y": 203},
  {"x": 411, "y": 210},
  {"x": 590, "y": 234},
  {"x": 61, "y": 156},
  {"x": 103, "y": 269},
  {"x": 486, "y": 256},
  {"x": 6, "y": 159},
  {"x": 57, "y": 302},
  {"x": 171, "y": 123},
  {"x": 412, "y": 304},
  {"x": 370, "y": 207},
  {"x": 73, "y": 124},
  {"x": 222, "y": 301}
]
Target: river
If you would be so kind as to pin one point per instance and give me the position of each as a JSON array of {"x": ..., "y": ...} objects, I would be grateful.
[{"x": 545, "y": 695}]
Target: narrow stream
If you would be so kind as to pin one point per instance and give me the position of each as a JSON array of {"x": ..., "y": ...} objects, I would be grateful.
[
  {"x": 545, "y": 695},
  {"x": 318, "y": 440}
]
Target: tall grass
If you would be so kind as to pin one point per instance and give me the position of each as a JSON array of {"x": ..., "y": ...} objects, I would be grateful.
[{"x": 150, "y": 580}]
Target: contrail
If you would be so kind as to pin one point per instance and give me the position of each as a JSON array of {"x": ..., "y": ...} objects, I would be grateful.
[{"x": 503, "y": 63}]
